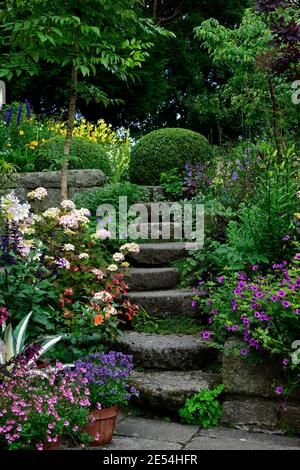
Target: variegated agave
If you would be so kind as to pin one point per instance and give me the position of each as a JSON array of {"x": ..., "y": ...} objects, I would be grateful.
[{"x": 13, "y": 343}]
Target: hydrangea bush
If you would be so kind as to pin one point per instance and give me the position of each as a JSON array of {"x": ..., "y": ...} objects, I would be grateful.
[{"x": 55, "y": 264}]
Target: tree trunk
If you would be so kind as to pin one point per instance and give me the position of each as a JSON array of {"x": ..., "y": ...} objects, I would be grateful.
[{"x": 68, "y": 140}]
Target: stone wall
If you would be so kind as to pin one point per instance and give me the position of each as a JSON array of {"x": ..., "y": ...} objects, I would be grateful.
[
  {"x": 250, "y": 398},
  {"x": 79, "y": 181}
]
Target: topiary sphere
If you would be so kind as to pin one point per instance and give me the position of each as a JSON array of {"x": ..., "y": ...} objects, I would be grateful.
[
  {"x": 162, "y": 150},
  {"x": 85, "y": 154}
]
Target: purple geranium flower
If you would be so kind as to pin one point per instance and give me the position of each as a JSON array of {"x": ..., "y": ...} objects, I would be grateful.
[
  {"x": 206, "y": 334},
  {"x": 244, "y": 352}
]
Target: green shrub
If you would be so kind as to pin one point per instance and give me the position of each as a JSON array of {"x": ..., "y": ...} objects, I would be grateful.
[
  {"x": 110, "y": 195},
  {"x": 165, "y": 149},
  {"x": 172, "y": 184},
  {"x": 85, "y": 154},
  {"x": 203, "y": 409}
]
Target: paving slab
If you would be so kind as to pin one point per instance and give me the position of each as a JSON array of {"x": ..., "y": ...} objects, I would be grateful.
[
  {"x": 133, "y": 443},
  {"x": 233, "y": 439},
  {"x": 156, "y": 429}
]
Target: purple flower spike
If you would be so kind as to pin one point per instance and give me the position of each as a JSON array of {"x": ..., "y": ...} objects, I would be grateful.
[
  {"x": 19, "y": 115},
  {"x": 28, "y": 109}
]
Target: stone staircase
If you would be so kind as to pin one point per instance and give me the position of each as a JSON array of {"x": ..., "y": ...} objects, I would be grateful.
[{"x": 170, "y": 368}]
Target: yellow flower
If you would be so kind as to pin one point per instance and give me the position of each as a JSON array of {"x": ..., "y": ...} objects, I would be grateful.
[
  {"x": 21, "y": 132},
  {"x": 33, "y": 144},
  {"x": 8, "y": 145}
]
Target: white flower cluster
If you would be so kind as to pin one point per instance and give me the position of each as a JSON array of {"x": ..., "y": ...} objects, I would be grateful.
[
  {"x": 118, "y": 257},
  {"x": 131, "y": 248},
  {"x": 103, "y": 296},
  {"x": 101, "y": 234},
  {"x": 13, "y": 210},
  {"x": 39, "y": 193},
  {"x": 52, "y": 213}
]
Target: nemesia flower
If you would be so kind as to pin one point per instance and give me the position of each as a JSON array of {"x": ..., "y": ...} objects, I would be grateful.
[
  {"x": 4, "y": 314},
  {"x": 62, "y": 263},
  {"x": 99, "y": 274}
]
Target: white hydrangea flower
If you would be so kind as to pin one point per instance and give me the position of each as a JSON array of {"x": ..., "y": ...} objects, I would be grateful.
[
  {"x": 39, "y": 193},
  {"x": 102, "y": 234},
  {"x": 131, "y": 248},
  {"x": 112, "y": 267},
  {"x": 83, "y": 256},
  {"x": 68, "y": 247},
  {"x": 52, "y": 213},
  {"x": 118, "y": 257},
  {"x": 68, "y": 204}
]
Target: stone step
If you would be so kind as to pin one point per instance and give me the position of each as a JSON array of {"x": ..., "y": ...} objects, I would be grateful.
[
  {"x": 156, "y": 231},
  {"x": 165, "y": 302},
  {"x": 153, "y": 192},
  {"x": 170, "y": 389},
  {"x": 159, "y": 254},
  {"x": 168, "y": 352},
  {"x": 166, "y": 211},
  {"x": 140, "y": 279}
]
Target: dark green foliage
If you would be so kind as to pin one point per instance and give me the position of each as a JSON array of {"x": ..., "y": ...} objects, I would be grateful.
[
  {"x": 145, "y": 323},
  {"x": 203, "y": 409},
  {"x": 85, "y": 154},
  {"x": 172, "y": 184},
  {"x": 110, "y": 195},
  {"x": 166, "y": 149}
]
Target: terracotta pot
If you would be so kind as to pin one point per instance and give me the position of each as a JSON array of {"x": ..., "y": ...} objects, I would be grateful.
[
  {"x": 102, "y": 425},
  {"x": 52, "y": 445}
]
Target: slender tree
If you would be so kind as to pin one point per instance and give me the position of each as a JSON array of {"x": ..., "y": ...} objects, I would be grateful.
[{"x": 82, "y": 37}]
